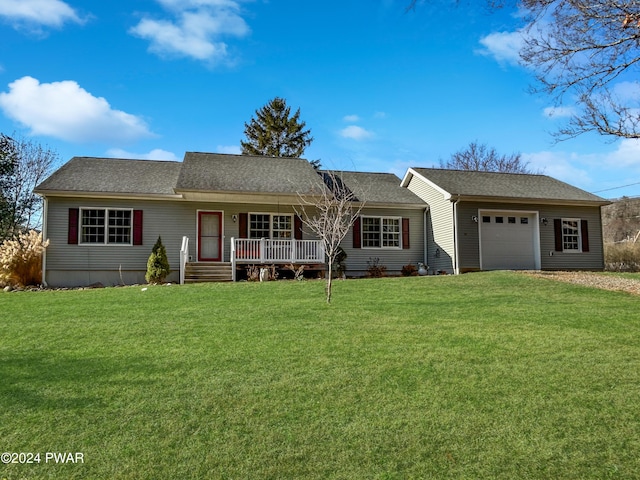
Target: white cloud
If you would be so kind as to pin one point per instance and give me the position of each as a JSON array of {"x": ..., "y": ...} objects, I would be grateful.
[
  {"x": 559, "y": 112},
  {"x": 627, "y": 91},
  {"x": 568, "y": 167},
  {"x": 502, "y": 46},
  {"x": 231, "y": 149},
  {"x": 65, "y": 110},
  {"x": 195, "y": 30},
  {"x": 49, "y": 13},
  {"x": 156, "y": 154},
  {"x": 355, "y": 133},
  {"x": 351, "y": 118},
  {"x": 626, "y": 155},
  {"x": 380, "y": 115}
]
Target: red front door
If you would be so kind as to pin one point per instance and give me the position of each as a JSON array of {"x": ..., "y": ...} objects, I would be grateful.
[{"x": 209, "y": 236}]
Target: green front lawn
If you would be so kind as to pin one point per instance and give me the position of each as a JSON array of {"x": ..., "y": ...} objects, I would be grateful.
[{"x": 492, "y": 375}]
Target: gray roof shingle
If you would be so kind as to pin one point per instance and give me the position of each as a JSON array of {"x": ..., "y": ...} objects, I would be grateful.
[
  {"x": 506, "y": 185},
  {"x": 211, "y": 172},
  {"x": 113, "y": 176},
  {"x": 378, "y": 188}
]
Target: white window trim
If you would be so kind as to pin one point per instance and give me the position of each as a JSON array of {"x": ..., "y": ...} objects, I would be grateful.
[
  {"x": 380, "y": 217},
  {"x": 579, "y": 227},
  {"x": 271, "y": 215},
  {"x": 106, "y": 227}
]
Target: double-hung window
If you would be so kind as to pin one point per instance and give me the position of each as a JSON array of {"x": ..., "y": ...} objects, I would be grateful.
[
  {"x": 381, "y": 232},
  {"x": 571, "y": 235},
  {"x": 105, "y": 226},
  {"x": 281, "y": 226},
  {"x": 264, "y": 225}
]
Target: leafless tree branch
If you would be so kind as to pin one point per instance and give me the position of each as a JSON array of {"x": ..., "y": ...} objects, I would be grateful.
[{"x": 329, "y": 213}]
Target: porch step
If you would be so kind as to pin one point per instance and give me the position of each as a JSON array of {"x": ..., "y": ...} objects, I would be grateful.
[{"x": 207, "y": 272}]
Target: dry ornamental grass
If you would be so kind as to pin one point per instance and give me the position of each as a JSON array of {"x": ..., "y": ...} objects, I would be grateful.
[{"x": 21, "y": 259}]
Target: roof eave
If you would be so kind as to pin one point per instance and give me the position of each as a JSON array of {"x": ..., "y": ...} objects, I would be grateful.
[
  {"x": 113, "y": 195},
  {"x": 397, "y": 206},
  {"x": 530, "y": 201},
  {"x": 233, "y": 196}
]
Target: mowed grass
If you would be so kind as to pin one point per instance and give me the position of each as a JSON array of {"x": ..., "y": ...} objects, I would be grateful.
[{"x": 492, "y": 375}]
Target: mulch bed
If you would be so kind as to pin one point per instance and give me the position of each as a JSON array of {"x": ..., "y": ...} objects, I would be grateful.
[{"x": 592, "y": 279}]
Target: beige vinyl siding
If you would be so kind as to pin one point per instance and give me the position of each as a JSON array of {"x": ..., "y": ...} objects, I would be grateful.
[
  {"x": 74, "y": 265},
  {"x": 592, "y": 260},
  {"x": 550, "y": 259},
  {"x": 440, "y": 227},
  {"x": 69, "y": 265},
  {"x": 392, "y": 258}
]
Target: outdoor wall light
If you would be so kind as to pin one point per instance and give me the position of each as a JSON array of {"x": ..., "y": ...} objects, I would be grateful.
[
  {"x": 234, "y": 218},
  {"x": 474, "y": 218},
  {"x": 544, "y": 221}
]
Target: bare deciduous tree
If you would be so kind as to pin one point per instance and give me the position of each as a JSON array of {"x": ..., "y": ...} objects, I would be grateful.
[
  {"x": 481, "y": 158},
  {"x": 329, "y": 213},
  {"x": 31, "y": 164},
  {"x": 584, "y": 51},
  {"x": 585, "y": 55}
]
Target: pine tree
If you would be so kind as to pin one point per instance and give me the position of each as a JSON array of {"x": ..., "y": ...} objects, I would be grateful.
[
  {"x": 274, "y": 133},
  {"x": 158, "y": 264}
]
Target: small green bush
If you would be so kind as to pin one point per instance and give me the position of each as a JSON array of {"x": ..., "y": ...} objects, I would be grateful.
[{"x": 158, "y": 264}]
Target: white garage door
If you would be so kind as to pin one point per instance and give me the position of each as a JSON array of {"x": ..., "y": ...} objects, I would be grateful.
[{"x": 507, "y": 240}]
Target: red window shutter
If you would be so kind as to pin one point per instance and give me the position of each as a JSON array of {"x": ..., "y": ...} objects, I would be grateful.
[
  {"x": 243, "y": 227},
  {"x": 297, "y": 227},
  {"x": 584, "y": 233},
  {"x": 357, "y": 241},
  {"x": 405, "y": 233},
  {"x": 137, "y": 227},
  {"x": 557, "y": 227},
  {"x": 72, "y": 234}
]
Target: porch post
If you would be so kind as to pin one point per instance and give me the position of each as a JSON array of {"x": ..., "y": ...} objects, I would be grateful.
[{"x": 233, "y": 259}]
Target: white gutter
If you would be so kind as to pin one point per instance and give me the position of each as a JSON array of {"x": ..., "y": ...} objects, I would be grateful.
[
  {"x": 45, "y": 212},
  {"x": 456, "y": 266}
]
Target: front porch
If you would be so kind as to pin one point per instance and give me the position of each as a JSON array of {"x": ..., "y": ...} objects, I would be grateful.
[{"x": 265, "y": 251}]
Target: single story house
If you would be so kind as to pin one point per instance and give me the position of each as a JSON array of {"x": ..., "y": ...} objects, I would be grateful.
[{"x": 218, "y": 214}]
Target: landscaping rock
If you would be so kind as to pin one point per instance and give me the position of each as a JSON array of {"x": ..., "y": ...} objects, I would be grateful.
[{"x": 8, "y": 288}]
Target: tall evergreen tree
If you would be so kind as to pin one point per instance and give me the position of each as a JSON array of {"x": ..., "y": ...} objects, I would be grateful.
[{"x": 274, "y": 132}]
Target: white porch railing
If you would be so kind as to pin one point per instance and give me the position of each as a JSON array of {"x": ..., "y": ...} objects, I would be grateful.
[
  {"x": 265, "y": 250},
  {"x": 184, "y": 256}
]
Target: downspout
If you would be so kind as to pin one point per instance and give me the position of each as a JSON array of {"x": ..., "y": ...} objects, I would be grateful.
[
  {"x": 426, "y": 238},
  {"x": 45, "y": 213},
  {"x": 456, "y": 266}
]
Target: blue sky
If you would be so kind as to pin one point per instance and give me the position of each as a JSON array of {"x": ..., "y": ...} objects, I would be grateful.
[{"x": 380, "y": 89}]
